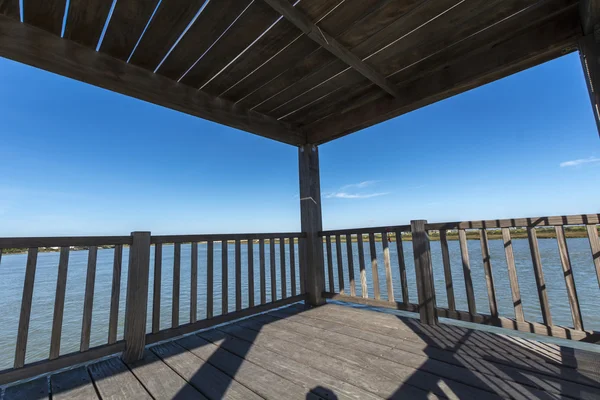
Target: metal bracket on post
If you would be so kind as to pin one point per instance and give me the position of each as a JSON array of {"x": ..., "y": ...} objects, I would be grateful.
[
  {"x": 136, "y": 308},
  {"x": 424, "y": 272}
]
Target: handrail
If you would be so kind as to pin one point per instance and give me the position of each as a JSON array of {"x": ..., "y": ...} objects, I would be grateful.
[
  {"x": 378, "y": 229},
  {"x": 223, "y": 236},
  {"x": 530, "y": 222},
  {"x": 62, "y": 241}
]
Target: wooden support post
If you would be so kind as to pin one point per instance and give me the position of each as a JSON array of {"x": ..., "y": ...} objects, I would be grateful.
[
  {"x": 424, "y": 272},
  {"x": 311, "y": 222},
  {"x": 137, "y": 296},
  {"x": 589, "y": 50}
]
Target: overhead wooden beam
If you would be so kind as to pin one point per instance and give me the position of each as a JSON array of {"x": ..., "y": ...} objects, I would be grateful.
[
  {"x": 589, "y": 11},
  {"x": 41, "y": 49},
  {"x": 526, "y": 49},
  {"x": 303, "y": 22}
]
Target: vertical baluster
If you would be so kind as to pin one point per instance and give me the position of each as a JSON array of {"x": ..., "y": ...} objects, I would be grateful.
[
  {"x": 194, "y": 283},
  {"x": 388, "y": 267},
  {"x": 512, "y": 275},
  {"x": 592, "y": 232},
  {"x": 402, "y": 267},
  {"x": 464, "y": 252},
  {"x": 282, "y": 267},
  {"x": 340, "y": 264},
  {"x": 350, "y": 265},
  {"x": 176, "y": 285},
  {"x": 224, "y": 279},
  {"x": 250, "y": 273},
  {"x": 373, "y": 252},
  {"x": 263, "y": 274},
  {"x": 210, "y": 262},
  {"x": 301, "y": 264},
  {"x": 88, "y": 302},
  {"x": 447, "y": 270},
  {"x": 424, "y": 272},
  {"x": 115, "y": 294},
  {"x": 361, "y": 265},
  {"x": 273, "y": 269},
  {"x": 24, "y": 318},
  {"x": 487, "y": 267},
  {"x": 539, "y": 275},
  {"x": 565, "y": 262},
  {"x": 59, "y": 303},
  {"x": 292, "y": 267},
  {"x": 238, "y": 275},
  {"x": 157, "y": 287},
  {"x": 329, "y": 264}
]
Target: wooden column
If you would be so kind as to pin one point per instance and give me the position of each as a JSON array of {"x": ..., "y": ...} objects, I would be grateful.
[
  {"x": 311, "y": 251},
  {"x": 424, "y": 272},
  {"x": 589, "y": 50},
  {"x": 137, "y": 296}
]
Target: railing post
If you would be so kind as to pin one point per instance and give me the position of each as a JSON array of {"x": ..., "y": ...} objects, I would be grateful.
[
  {"x": 589, "y": 50},
  {"x": 137, "y": 296},
  {"x": 311, "y": 251},
  {"x": 424, "y": 272}
]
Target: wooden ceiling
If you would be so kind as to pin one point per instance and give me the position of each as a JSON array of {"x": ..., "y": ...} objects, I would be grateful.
[{"x": 304, "y": 72}]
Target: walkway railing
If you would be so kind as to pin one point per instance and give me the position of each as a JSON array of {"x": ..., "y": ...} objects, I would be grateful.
[
  {"x": 249, "y": 293},
  {"x": 345, "y": 249}
]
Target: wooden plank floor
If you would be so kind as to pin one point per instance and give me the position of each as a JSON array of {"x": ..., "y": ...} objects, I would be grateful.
[{"x": 333, "y": 352}]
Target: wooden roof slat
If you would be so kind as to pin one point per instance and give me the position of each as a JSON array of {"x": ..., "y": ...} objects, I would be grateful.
[
  {"x": 167, "y": 25},
  {"x": 45, "y": 14},
  {"x": 86, "y": 20},
  {"x": 35, "y": 47},
  {"x": 345, "y": 17},
  {"x": 437, "y": 50},
  {"x": 529, "y": 48},
  {"x": 275, "y": 40},
  {"x": 328, "y": 42},
  {"x": 128, "y": 20},
  {"x": 10, "y": 8},
  {"x": 255, "y": 20},
  {"x": 311, "y": 88},
  {"x": 308, "y": 56},
  {"x": 589, "y": 10},
  {"x": 216, "y": 17}
]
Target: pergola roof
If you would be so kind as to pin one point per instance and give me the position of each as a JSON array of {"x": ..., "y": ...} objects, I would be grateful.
[{"x": 299, "y": 73}]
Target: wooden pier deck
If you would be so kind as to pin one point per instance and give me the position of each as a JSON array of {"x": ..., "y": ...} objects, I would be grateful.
[{"x": 332, "y": 352}]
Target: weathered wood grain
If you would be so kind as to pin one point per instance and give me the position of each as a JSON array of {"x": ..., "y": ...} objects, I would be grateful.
[
  {"x": 251, "y": 272},
  {"x": 565, "y": 262},
  {"x": 85, "y": 21},
  {"x": 402, "y": 267},
  {"x": 157, "y": 287},
  {"x": 176, "y": 285},
  {"x": 539, "y": 276},
  {"x": 115, "y": 294},
  {"x": 464, "y": 253},
  {"x": 375, "y": 272},
  {"x": 75, "y": 384},
  {"x": 88, "y": 302},
  {"x": 25, "y": 315},
  {"x": 592, "y": 232},
  {"x": 487, "y": 267},
  {"x": 137, "y": 296},
  {"x": 512, "y": 275},
  {"x": 113, "y": 380},
  {"x": 263, "y": 273},
  {"x": 45, "y": 14},
  {"x": 361, "y": 266},
  {"x": 447, "y": 270},
  {"x": 388, "y": 267},
  {"x": 194, "y": 284},
  {"x": 350, "y": 265},
  {"x": 238, "y": 276},
  {"x": 36, "y": 389},
  {"x": 59, "y": 303},
  {"x": 424, "y": 273},
  {"x": 340, "y": 264},
  {"x": 210, "y": 260},
  {"x": 329, "y": 264},
  {"x": 282, "y": 268},
  {"x": 224, "y": 278},
  {"x": 292, "y": 267}
]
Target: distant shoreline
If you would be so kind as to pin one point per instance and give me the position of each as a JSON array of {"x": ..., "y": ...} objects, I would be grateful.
[{"x": 573, "y": 232}]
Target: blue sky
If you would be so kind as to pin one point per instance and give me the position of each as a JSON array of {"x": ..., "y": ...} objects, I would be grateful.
[{"x": 80, "y": 160}]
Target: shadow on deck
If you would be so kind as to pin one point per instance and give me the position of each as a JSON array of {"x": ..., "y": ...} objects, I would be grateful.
[{"x": 333, "y": 352}]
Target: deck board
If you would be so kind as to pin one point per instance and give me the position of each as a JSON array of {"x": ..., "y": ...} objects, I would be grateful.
[{"x": 333, "y": 351}]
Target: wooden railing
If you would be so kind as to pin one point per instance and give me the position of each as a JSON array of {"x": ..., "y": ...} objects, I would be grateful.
[
  {"x": 418, "y": 236},
  {"x": 285, "y": 282}
]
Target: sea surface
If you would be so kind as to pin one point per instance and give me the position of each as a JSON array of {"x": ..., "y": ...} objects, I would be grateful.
[{"x": 12, "y": 271}]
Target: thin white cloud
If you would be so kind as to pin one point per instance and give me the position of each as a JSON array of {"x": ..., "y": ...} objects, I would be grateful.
[
  {"x": 360, "y": 185},
  {"x": 581, "y": 161},
  {"x": 344, "y": 195}
]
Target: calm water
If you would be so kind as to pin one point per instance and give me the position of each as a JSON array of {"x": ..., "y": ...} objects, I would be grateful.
[{"x": 12, "y": 268}]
